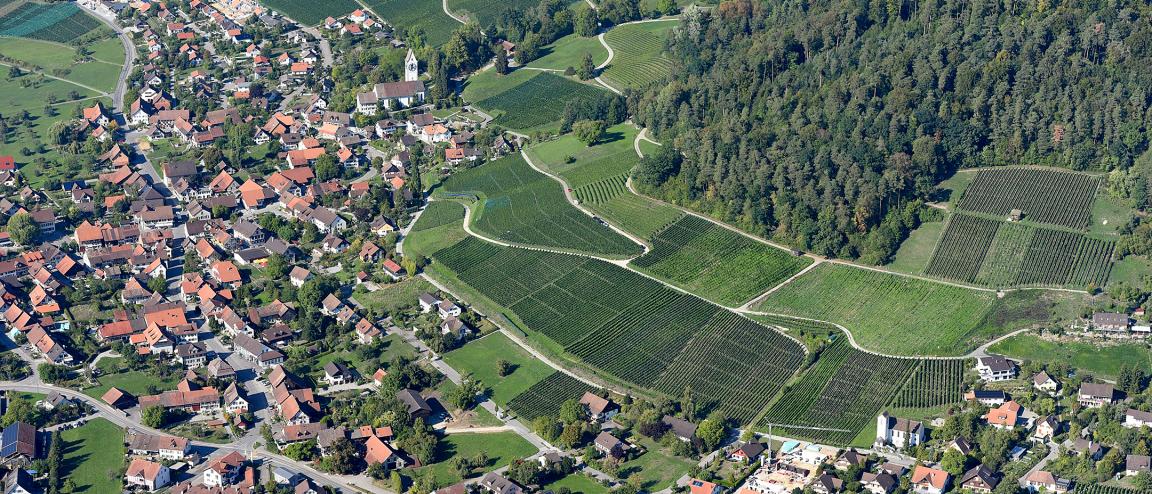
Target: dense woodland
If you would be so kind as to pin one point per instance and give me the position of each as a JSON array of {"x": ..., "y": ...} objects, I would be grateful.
[{"x": 818, "y": 122}]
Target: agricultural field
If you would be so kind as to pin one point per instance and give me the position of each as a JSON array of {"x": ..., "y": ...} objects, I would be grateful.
[
  {"x": 598, "y": 175},
  {"x": 479, "y": 358},
  {"x": 715, "y": 262},
  {"x": 639, "y": 58},
  {"x": 439, "y": 213},
  {"x": 15, "y": 97},
  {"x": 537, "y": 103},
  {"x": 995, "y": 253},
  {"x": 1107, "y": 489},
  {"x": 425, "y": 240},
  {"x": 485, "y": 12},
  {"x": 569, "y": 52},
  {"x": 1102, "y": 359},
  {"x": 1054, "y": 197},
  {"x": 546, "y": 396},
  {"x": 518, "y": 204},
  {"x": 426, "y": 16},
  {"x": 598, "y": 312},
  {"x": 916, "y": 250},
  {"x": 883, "y": 310},
  {"x": 934, "y": 383},
  {"x": 60, "y": 22},
  {"x": 59, "y": 60},
  {"x": 311, "y": 13},
  {"x": 844, "y": 390}
]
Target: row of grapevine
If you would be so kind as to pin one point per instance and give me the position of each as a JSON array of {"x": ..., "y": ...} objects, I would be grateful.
[
  {"x": 1107, "y": 489},
  {"x": 934, "y": 383},
  {"x": 1061, "y": 198},
  {"x": 1064, "y": 258},
  {"x": 962, "y": 247},
  {"x": 546, "y": 396},
  {"x": 538, "y": 101},
  {"x": 439, "y": 213},
  {"x": 602, "y": 191}
]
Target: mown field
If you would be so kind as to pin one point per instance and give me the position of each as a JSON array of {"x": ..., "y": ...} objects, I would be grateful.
[
  {"x": 886, "y": 312},
  {"x": 995, "y": 253},
  {"x": 312, "y": 13},
  {"x": 518, "y": 204},
  {"x": 639, "y": 57},
  {"x": 443, "y": 229},
  {"x": 424, "y": 16},
  {"x": 546, "y": 395},
  {"x": 1056, "y": 197},
  {"x": 60, "y": 22},
  {"x": 94, "y": 456},
  {"x": 478, "y": 359},
  {"x": 569, "y": 52},
  {"x": 715, "y": 262},
  {"x": 59, "y": 60},
  {"x": 597, "y": 176},
  {"x": 536, "y": 103},
  {"x": 1103, "y": 360},
  {"x": 630, "y": 327}
]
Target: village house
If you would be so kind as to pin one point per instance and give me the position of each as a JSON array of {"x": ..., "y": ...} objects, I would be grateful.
[
  {"x": 995, "y": 368},
  {"x": 599, "y": 409},
  {"x": 927, "y": 480},
  {"x": 1095, "y": 395},
  {"x": 1134, "y": 418}
]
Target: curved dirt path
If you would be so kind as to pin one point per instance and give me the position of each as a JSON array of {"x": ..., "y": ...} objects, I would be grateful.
[{"x": 642, "y": 136}]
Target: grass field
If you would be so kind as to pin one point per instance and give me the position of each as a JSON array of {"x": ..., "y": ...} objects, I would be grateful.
[
  {"x": 536, "y": 103},
  {"x": 518, "y": 204},
  {"x": 443, "y": 229},
  {"x": 639, "y": 56},
  {"x": 94, "y": 456},
  {"x": 57, "y": 60},
  {"x": 426, "y": 16},
  {"x": 597, "y": 175},
  {"x": 1103, "y": 360},
  {"x": 655, "y": 470},
  {"x": 630, "y": 327},
  {"x": 883, "y": 311},
  {"x": 500, "y": 447},
  {"x": 916, "y": 250},
  {"x": 569, "y": 52},
  {"x": 310, "y": 13},
  {"x": 717, "y": 263},
  {"x": 60, "y": 22},
  {"x": 134, "y": 382},
  {"x": 395, "y": 296},
  {"x": 478, "y": 359},
  {"x": 578, "y": 483}
]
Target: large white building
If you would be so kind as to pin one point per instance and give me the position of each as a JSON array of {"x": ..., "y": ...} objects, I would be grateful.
[{"x": 898, "y": 433}]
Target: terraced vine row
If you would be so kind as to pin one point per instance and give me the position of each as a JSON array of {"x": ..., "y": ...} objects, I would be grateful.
[
  {"x": 1107, "y": 489},
  {"x": 630, "y": 326},
  {"x": 705, "y": 258},
  {"x": 439, "y": 213},
  {"x": 602, "y": 191},
  {"x": 1066, "y": 258},
  {"x": 546, "y": 396},
  {"x": 639, "y": 54},
  {"x": 1061, "y": 198},
  {"x": 933, "y": 383},
  {"x": 845, "y": 390}
]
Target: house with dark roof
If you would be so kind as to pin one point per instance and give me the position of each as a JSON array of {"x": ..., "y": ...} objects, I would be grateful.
[
  {"x": 979, "y": 479},
  {"x": 682, "y": 429},
  {"x": 417, "y": 406},
  {"x": 1095, "y": 395},
  {"x": 995, "y": 368},
  {"x": 19, "y": 444}
]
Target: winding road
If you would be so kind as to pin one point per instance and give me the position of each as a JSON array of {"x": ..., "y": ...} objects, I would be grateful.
[{"x": 129, "y": 58}]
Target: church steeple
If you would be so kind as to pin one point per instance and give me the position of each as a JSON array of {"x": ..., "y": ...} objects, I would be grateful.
[{"x": 411, "y": 67}]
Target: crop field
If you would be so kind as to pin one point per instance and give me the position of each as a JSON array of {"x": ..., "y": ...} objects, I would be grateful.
[
  {"x": 630, "y": 326},
  {"x": 537, "y": 102},
  {"x": 1001, "y": 254},
  {"x": 844, "y": 390},
  {"x": 641, "y": 216},
  {"x": 933, "y": 383},
  {"x": 546, "y": 396},
  {"x": 639, "y": 50},
  {"x": 524, "y": 206},
  {"x": 312, "y": 13},
  {"x": 708, "y": 259},
  {"x": 426, "y": 16},
  {"x": 59, "y": 22},
  {"x": 439, "y": 213},
  {"x": 1044, "y": 196},
  {"x": 887, "y": 312}
]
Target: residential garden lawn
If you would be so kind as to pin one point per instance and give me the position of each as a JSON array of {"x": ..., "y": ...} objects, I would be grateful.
[
  {"x": 917, "y": 249},
  {"x": 478, "y": 358},
  {"x": 655, "y": 469},
  {"x": 1103, "y": 359},
  {"x": 578, "y": 483},
  {"x": 889, "y": 313},
  {"x": 94, "y": 456},
  {"x": 394, "y": 297},
  {"x": 537, "y": 103},
  {"x": 639, "y": 57},
  {"x": 134, "y": 382},
  {"x": 311, "y": 13},
  {"x": 569, "y": 52},
  {"x": 58, "y": 60},
  {"x": 421, "y": 15},
  {"x": 500, "y": 447}
]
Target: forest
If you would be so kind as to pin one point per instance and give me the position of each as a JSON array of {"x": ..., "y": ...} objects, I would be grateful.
[{"x": 817, "y": 123}]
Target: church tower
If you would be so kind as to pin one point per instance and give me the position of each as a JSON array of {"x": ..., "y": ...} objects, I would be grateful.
[{"x": 411, "y": 67}]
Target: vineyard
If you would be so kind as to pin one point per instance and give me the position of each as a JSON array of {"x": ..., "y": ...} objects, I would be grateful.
[
  {"x": 639, "y": 56},
  {"x": 524, "y": 206},
  {"x": 1001, "y": 254},
  {"x": 537, "y": 102},
  {"x": 934, "y": 383},
  {"x": 884, "y": 311},
  {"x": 630, "y": 326},
  {"x": 426, "y": 16},
  {"x": 439, "y": 213},
  {"x": 708, "y": 259},
  {"x": 484, "y": 12},
  {"x": 311, "y": 13},
  {"x": 545, "y": 397},
  {"x": 1045, "y": 196},
  {"x": 58, "y": 22},
  {"x": 844, "y": 390},
  {"x": 1106, "y": 489}
]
